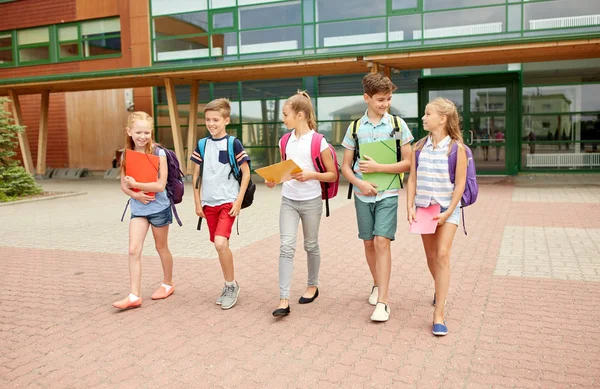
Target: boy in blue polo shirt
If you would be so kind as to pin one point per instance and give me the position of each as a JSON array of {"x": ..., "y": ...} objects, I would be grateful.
[{"x": 376, "y": 210}]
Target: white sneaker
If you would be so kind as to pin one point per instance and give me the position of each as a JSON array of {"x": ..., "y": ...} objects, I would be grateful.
[
  {"x": 374, "y": 295},
  {"x": 381, "y": 312}
]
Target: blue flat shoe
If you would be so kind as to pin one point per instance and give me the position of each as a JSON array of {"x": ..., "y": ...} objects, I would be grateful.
[{"x": 440, "y": 329}]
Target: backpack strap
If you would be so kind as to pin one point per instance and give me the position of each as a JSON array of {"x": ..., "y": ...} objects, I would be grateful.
[
  {"x": 283, "y": 145},
  {"x": 201, "y": 149},
  {"x": 315, "y": 153},
  {"x": 418, "y": 148},
  {"x": 354, "y": 133},
  {"x": 452, "y": 162},
  {"x": 235, "y": 169}
]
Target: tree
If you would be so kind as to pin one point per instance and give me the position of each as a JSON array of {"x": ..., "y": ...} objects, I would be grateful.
[{"x": 15, "y": 181}]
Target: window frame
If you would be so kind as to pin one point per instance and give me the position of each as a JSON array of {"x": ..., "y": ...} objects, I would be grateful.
[
  {"x": 219, "y": 11},
  {"x": 110, "y": 35},
  {"x": 11, "y": 48},
  {"x": 79, "y": 55},
  {"x": 47, "y": 44},
  {"x": 403, "y": 11}
]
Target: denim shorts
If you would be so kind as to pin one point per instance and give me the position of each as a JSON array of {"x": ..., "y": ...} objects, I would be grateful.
[
  {"x": 455, "y": 217},
  {"x": 159, "y": 219}
]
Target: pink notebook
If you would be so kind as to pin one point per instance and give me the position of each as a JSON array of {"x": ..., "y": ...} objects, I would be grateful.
[{"x": 424, "y": 220}]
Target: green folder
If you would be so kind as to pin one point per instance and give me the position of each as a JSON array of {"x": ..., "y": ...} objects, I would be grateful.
[{"x": 383, "y": 152}]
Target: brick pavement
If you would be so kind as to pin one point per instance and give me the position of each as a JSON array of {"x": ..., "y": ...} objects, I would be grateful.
[{"x": 521, "y": 313}]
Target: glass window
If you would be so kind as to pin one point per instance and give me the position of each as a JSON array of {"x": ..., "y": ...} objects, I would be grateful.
[
  {"x": 514, "y": 17},
  {"x": 402, "y": 27},
  {"x": 404, "y": 5},
  {"x": 262, "y": 111},
  {"x": 562, "y": 98},
  {"x": 165, "y": 7},
  {"x": 278, "y": 14},
  {"x": 349, "y": 9},
  {"x": 308, "y": 10},
  {"x": 224, "y": 44},
  {"x": 479, "y": 21},
  {"x": 68, "y": 50},
  {"x": 278, "y": 39},
  {"x": 68, "y": 46},
  {"x": 251, "y": 2},
  {"x": 347, "y": 84},
  {"x": 549, "y": 128},
  {"x": 6, "y": 56},
  {"x": 455, "y": 95},
  {"x": 406, "y": 80},
  {"x": 184, "y": 24},
  {"x": 559, "y": 72},
  {"x": 405, "y": 105},
  {"x": 33, "y": 36},
  {"x": 309, "y": 36},
  {"x": 5, "y": 40},
  {"x": 345, "y": 108},
  {"x": 181, "y": 48},
  {"x": 68, "y": 33},
  {"x": 561, "y": 14},
  {"x": 94, "y": 28},
  {"x": 34, "y": 54},
  {"x": 355, "y": 32},
  {"x": 34, "y": 44},
  {"x": 488, "y": 100},
  {"x": 214, "y": 4},
  {"x": 430, "y": 5},
  {"x": 223, "y": 20},
  {"x": 270, "y": 89},
  {"x": 228, "y": 90},
  {"x": 101, "y": 37}
]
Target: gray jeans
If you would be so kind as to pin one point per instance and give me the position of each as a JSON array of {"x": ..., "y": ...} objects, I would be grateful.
[{"x": 291, "y": 212}]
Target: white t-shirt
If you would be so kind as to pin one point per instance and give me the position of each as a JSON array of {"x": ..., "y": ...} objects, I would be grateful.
[{"x": 298, "y": 150}]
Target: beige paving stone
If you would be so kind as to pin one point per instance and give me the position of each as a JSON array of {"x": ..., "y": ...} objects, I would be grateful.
[{"x": 544, "y": 252}]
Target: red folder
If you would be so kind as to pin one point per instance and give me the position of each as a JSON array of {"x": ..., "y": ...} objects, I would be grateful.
[{"x": 142, "y": 167}]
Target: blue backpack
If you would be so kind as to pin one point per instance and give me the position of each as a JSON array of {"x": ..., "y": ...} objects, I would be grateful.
[
  {"x": 471, "y": 187},
  {"x": 235, "y": 170}
]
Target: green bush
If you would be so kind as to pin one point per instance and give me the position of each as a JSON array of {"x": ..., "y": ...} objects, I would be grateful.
[{"x": 14, "y": 180}]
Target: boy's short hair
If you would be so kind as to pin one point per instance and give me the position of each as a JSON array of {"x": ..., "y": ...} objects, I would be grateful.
[
  {"x": 220, "y": 105},
  {"x": 374, "y": 83}
]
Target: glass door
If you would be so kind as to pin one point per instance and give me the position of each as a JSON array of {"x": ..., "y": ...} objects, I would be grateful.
[{"x": 489, "y": 109}]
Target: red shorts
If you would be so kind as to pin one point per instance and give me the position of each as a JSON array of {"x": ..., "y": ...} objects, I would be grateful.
[{"x": 218, "y": 220}]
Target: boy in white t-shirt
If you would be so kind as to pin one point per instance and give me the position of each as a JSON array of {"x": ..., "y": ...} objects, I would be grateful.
[{"x": 219, "y": 199}]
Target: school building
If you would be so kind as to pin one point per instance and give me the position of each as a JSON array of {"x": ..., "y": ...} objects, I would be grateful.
[{"x": 525, "y": 74}]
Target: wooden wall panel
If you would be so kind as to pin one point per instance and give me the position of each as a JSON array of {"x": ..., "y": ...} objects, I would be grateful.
[
  {"x": 96, "y": 121},
  {"x": 142, "y": 98},
  {"x": 86, "y": 9},
  {"x": 57, "y": 152}
]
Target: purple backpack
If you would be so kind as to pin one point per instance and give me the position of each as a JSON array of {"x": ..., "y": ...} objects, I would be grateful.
[
  {"x": 471, "y": 188},
  {"x": 174, "y": 179},
  {"x": 174, "y": 185}
]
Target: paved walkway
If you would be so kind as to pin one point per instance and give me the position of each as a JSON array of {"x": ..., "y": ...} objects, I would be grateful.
[{"x": 522, "y": 312}]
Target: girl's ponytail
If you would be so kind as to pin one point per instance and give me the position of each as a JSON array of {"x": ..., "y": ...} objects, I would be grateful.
[{"x": 301, "y": 102}]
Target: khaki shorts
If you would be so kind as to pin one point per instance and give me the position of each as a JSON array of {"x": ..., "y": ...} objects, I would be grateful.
[{"x": 377, "y": 219}]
